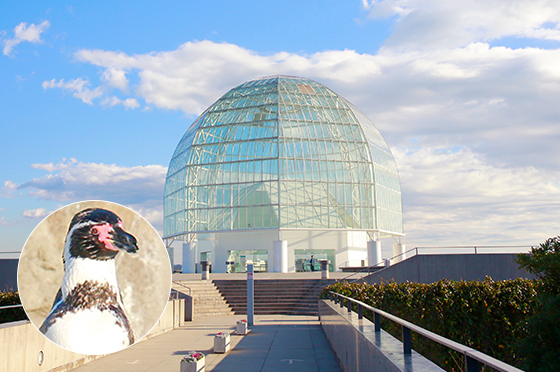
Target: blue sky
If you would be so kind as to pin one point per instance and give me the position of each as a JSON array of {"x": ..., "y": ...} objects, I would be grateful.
[{"x": 95, "y": 97}]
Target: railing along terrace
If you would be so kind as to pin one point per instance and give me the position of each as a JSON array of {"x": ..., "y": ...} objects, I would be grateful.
[
  {"x": 14, "y": 254},
  {"x": 7, "y": 307},
  {"x": 473, "y": 358},
  {"x": 460, "y": 249},
  {"x": 466, "y": 249}
]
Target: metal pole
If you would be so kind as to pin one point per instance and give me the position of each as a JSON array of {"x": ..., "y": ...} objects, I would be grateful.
[
  {"x": 250, "y": 294},
  {"x": 377, "y": 322},
  {"x": 472, "y": 364},
  {"x": 407, "y": 340}
]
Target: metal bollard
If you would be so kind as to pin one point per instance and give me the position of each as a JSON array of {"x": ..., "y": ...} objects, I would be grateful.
[
  {"x": 205, "y": 269},
  {"x": 324, "y": 268}
]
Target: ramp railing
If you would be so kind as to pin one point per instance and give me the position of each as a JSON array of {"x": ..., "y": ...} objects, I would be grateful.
[
  {"x": 473, "y": 358},
  {"x": 425, "y": 250}
]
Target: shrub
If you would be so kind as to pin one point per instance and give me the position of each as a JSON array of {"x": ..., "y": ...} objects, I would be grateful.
[
  {"x": 488, "y": 316},
  {"x": 11, "y": 315},
  {"x": 541, "y": 347},
  {"x": 544, "y": 261}
]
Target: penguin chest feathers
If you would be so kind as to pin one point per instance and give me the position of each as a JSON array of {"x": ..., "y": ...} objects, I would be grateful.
[{"x": 89, "y": 320}]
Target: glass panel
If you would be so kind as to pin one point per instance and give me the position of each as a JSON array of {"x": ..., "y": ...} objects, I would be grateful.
[
  {"x": 237, "y": 260},
  {"x": 308, "y": 259}
]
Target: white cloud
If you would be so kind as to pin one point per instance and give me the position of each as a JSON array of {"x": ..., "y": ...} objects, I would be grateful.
[
  {"x": 79, "y": 86},
  {"x": 35, "y": 213},
  {"x": 129, "y": 103},
  {"x": 471, "y": 96},
  {"x": 81, "y": 90},
  {"x": 458, "y": 198},
  {"x": 8, "y": 189},
  {"x": 75, "y": 180},
  {"x": 116, "y": 78},
  {"x": 51, "y": 167},
  {"x": 22, "y": 32},
  {"x": 138, "y": 187},
  {"x": 153, "y": 215},
  {"x": 425, "y": 24}
]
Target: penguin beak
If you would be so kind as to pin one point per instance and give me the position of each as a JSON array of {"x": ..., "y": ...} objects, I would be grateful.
[{"x": 124, "y": 241}]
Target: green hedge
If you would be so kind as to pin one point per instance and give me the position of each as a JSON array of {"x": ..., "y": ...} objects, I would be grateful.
[
  {"x": 11, "y": 315},
  {"x": 490, "y": 316}
]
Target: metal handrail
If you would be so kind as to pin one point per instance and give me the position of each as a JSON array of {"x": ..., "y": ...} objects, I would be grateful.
[
  {"x": 472, "y": 356},
  {"x": 416, "y": 251},
  {"x": 182, "y": 285},
  {"x": 10, "y": 306},
  {"x": 18, "y": 253}
]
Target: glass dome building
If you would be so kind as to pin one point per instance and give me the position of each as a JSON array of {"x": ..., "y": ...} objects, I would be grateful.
[{"x": 281, "y": 170}]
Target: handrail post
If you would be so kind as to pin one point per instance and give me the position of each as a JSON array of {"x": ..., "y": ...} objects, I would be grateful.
[
  {"x": 472, "y": 364},
  {"x": 377, "y": 322},
  {"x": 341, "y": 302},
  {"x": 407, "y": 340},
  {"x": 349, "y": 306},
  {"x": 360, "y": 312}
]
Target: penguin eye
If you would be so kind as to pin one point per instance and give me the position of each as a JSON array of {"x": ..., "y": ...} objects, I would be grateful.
[{"x": 94, "y": 231}]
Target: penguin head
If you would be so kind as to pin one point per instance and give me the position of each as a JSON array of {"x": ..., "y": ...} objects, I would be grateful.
[{"x": 98, "y": 234}]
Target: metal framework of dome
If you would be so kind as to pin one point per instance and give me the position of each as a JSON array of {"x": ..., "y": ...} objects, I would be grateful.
[{"x": 282, "y": 153}]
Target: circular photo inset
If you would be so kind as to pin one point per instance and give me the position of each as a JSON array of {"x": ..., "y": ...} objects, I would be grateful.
[{"x": 94, "y": 277}]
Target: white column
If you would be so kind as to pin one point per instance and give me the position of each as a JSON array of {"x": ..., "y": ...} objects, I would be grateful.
[
  {"x": 170, "y": 253},
  {"x": 398, "y": 249},
  {"x": 189, "y": 257},
  {"x": 280, "y": 256},
  {"x": 374, "y": 252}
]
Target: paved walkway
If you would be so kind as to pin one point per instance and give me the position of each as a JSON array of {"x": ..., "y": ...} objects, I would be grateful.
[{"x": 274, "y": 343}]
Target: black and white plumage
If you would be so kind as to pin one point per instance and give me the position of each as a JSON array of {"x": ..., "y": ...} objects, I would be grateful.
[{"x": 88, "y": 315}]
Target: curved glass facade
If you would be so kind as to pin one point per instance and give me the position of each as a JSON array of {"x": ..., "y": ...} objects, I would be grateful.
[{"x": 282, "y": 153}]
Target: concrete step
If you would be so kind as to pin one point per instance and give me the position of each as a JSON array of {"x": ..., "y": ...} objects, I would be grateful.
[
  {"x": 207, "y": 300},
  {"x": 296, "y": 296}
]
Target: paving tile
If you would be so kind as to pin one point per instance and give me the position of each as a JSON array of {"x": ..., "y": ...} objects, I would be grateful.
[{"x": 275, "y": 343}]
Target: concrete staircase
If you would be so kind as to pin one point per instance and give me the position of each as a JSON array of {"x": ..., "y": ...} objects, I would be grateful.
[
  {"x": 274, "y": 296},
  {"x": 207, "y": 299}
]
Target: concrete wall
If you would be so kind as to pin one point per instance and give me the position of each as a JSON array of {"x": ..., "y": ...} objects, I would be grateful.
[
  {"x": 432, "y": 268},
  {"x": 21, "y": 345},
  {"x": 359, "y": 348},
  {"x": 8, "y": 274}
]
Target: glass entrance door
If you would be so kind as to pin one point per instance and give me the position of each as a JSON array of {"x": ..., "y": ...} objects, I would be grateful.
[
  {"x": 237, "y": 261},
  {"x": 308, "y": 259}
]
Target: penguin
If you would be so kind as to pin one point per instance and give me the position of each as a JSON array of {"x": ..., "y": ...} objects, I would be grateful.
[{"x": 88, "y": 316}]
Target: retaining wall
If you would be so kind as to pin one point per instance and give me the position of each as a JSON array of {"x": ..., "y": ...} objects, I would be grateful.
[
  {"x": 359, "y": 348},
  {"x": 21, "y": 344},
  {"x": 432, "y": 268},
  {"x": 8, "y": 274}
]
